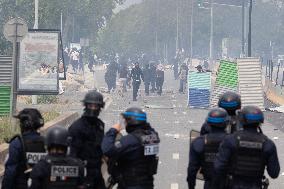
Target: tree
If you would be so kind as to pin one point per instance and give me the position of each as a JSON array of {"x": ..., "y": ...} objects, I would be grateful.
[
  {"x": 81, "y": 18},
  {"x": 133, "y": 30}
]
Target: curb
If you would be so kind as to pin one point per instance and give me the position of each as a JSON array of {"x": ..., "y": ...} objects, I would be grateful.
[{"x": 65, "y": 120}]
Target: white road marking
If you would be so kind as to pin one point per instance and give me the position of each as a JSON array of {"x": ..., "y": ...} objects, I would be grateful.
[
  {"x": 174, "y": 185},
  {"x": 176, "y": 136},
  {"x": 176, "y": 156}
]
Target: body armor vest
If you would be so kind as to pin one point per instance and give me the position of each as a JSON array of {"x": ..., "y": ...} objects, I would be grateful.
[
  {"x": 212, "y": 143},
  {"x": 64, "y": 173},
  {"x": 91, "y": 148},
  {"x": 33, "y": 151},
  {"x": 248, "y": 159},
  {"x": 141, "y": 170}
]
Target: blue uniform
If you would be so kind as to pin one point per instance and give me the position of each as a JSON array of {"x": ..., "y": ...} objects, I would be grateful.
[
  {"x": 197, "y": 156},
  {"x": 16, "y": 164},
  {"x": 205, "y": 129},
  {"x": 228, "y": 150},
  {"x": 42, "y": 177},
  {"x": 132, "y": 164}
]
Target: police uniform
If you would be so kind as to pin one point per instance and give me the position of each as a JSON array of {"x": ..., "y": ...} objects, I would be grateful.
[
  {"x": 243, "y": 156},
  {"x": 87, "y": 135},
  {"x": 24, "y": 152},
  {"x": 136, "y": 75},
  {"x": 231, "y": 102},
  {"x": 203, "y": 149},
  {"x": 57, "y": 172},
  {"x": 136, "y": 157}
]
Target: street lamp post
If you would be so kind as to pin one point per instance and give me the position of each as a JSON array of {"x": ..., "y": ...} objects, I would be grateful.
[
  {"x": 249, "y": 33},
  {"x": 211, "y": 32},
  {"x": 191, "y": 31},
  {"x": 243, "y": 29},
  {"x": 34, "y": 97}
]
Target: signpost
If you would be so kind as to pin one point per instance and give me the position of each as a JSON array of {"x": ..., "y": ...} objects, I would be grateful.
[{"x": 14, "y": 31}]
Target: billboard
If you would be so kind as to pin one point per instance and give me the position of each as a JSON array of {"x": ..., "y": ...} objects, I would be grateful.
[{"x": 38, "y": 63}]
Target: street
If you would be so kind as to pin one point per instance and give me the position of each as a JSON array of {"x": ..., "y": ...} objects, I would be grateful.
[{"x": 170, "y": 116}]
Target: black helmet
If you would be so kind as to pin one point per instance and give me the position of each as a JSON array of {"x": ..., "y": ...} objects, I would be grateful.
[
  {"x": 251, "y": 115},
  {"x": 217, "y": 117},
  {"x": 57, "y": 136},
  {"x": 30, "y": 118},
  {"x": 231, "y": 102},
  {"x": 94, "y": 97},
  {"x": 134, "y": 116}
]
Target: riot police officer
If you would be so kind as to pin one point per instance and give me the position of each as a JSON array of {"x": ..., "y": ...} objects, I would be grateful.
[
  {"x": 137, "y": 76},
  {"x": 57, "y": 170},
  {"x": 246, "y": 153},
  {"x": 25, "y": 150},
  {"x": 87, "y": 134},
  {"x": 231, "y": 102},
  {"x": 204, "y": 148},
  {"x": 135, "y": 153}
]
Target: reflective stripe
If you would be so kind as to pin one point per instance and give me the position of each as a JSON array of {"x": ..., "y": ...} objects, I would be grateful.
[
  {"x": 254, "y": 117},
  {"x": 216, "y": 119},
  {"x": 229, "y": 104},
  {"x": 134, "y": 114}
]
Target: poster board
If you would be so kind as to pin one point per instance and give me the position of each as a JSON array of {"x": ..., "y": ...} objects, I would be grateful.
[{"x": 37, "y": 69}]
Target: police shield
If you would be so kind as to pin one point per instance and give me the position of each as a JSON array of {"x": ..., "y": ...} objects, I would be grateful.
[{"x": 193, "y": 135}]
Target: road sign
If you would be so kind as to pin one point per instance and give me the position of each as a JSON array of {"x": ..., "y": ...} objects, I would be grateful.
[{"x": 15, "y": 28}]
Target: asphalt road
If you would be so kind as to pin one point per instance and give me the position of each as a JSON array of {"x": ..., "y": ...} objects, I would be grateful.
[{"x": 170, "y": 116}]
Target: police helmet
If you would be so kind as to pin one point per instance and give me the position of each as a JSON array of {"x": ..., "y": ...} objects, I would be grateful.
[
  {"x": 250, "y": 115},
  {"x": 217, "y": 117},
  {"x": 231, "y": 102},
  {"x": 134, "y": 116},
  {"x": 57, "y": 136},
  {"x": 30, "y": 118},
  {"x": 94, "y": 97}
]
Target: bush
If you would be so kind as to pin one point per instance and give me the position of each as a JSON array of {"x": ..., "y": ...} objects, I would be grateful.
[
  {"x": 7, "y": 131},
  {"x": 47, "y": 99}
]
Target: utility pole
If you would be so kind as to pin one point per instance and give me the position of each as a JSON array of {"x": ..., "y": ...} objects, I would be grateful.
[
  {"x": 61, "y": 22},
  {"x": 34, "y": 97},
  {"x": 211, "y": 32},
  {"x": 249, "y": 33},
  {"x": 157, "y": 26},
  {"x": 177, "y": 29},
  {"x": 191, "y": 30},
  {"x": 243, "y": 29}
]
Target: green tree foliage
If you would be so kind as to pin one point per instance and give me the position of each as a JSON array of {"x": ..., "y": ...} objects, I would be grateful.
[
  {"x": 133, "y": 30},
  {"x": 86, "y": 17}
]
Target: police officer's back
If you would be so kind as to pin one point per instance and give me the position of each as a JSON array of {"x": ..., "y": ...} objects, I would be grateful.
[
  {"x": 25, "y": 150},
  {"x": 135, "y": 153},
  {"x": 56, "y": 170},
  {"x": 203, "y": 149},
  {"x": 87, "y": 134},
  {"x": 231, "y": 102},
  {"x": 246, "y": 153}
]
